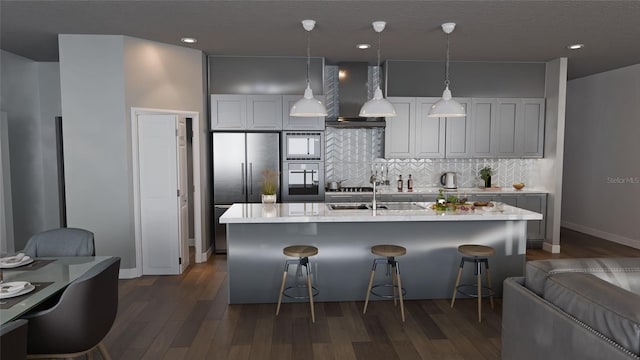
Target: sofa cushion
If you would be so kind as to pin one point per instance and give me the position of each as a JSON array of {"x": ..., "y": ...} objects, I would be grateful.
[
  {"x": 623, "y": 272},
  {"x": 605, "y": 307}
]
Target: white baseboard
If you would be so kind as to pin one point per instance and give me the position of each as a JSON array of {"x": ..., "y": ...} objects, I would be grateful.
[
  {"x": 602, "y": 234},
  {"x": 129, "y": 273},
  {"x": 552, "y": 248},
  {"x": 203, "y": 257}
]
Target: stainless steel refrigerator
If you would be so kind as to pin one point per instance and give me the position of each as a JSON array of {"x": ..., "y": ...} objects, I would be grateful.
[{"x": 238, "y": 162}]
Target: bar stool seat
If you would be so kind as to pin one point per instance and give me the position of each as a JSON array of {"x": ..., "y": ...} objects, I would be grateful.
[
  {"x": 389, "y": 253},
  {"x": 477, "y": 254},
  {"x": 302, "y": 253},
  {"x": 388, "y": 250}
]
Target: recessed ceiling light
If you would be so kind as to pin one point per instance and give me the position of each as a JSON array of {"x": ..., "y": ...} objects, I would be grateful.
[
  {"x": 575, "y": 46},
  {"x": 363, "y": 46},
  {"x": 189, "y": 40}
]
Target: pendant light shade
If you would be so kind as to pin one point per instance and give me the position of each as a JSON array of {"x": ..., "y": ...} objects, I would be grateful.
[
  {"x": 378, "y": 106},
  {"x": 447, "y": 107},
  {"x": 308, "y": 106}
]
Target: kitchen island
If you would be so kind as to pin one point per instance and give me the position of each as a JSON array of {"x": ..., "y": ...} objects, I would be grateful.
[{"x": 257, "y": 233}]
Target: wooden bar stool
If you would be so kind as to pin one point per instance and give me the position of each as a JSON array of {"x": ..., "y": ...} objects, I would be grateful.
[
  {"x": 393, "y": 268},
  {"x": 478, "y": 254},
  {"x": 302, "y": 253}
]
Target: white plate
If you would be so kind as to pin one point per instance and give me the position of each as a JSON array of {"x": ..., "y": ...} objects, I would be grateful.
[
  {"x": 27, "y": 289},
  {"x": 11, "y": 264}
]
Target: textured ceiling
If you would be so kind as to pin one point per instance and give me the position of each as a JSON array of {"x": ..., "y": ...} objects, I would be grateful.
[{"x": 523, "y": 30}]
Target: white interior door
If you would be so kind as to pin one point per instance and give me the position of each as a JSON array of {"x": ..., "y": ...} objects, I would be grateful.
[
  {"x": 183, "y": 193},
  {"x": 159, "y": 213}
]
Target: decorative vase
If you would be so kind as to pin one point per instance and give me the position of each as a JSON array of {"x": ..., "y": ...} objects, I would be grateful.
[
  {"x": 269, "y": 199},
  {"x": 487, "y": 182}
]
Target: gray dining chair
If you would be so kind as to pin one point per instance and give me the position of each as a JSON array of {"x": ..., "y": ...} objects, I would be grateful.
[
  {"x": 61, "y": 242},
  {"x": 13, "y": 340},
  {"x": 83, "y": 316}
]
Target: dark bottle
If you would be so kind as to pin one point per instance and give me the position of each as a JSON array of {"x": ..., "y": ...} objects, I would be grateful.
[
  {"x": 410, "y": 184},
  {"x": 400, "y": 183}
]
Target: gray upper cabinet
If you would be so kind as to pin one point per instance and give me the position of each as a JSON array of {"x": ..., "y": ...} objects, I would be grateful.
[
  {"x": 264, "y": 112},
  {"x": 532, "y": 139},
  {"x": 458, "y": 132},
  {"x": 429, "y": 134},
  {"x": 398, "y": 135},
  {"x": 228, "y": 112},
  {"x": 508, "y": 127},
  {"x": 483, "y": 129},
  {"x": 299, "y": 123}
]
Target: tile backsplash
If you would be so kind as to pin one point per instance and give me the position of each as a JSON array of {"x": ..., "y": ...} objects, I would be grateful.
[{"x": 353, "y": 153}]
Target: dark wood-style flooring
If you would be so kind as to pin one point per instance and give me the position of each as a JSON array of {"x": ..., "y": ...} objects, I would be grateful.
[{"x": 187, "y": 317}]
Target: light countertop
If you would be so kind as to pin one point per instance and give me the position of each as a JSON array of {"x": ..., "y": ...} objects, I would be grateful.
[{"x": 320, "y": 212}]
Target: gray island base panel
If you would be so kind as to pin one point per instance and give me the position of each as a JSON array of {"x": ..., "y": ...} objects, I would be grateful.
[{"x": 342, "y": 267}]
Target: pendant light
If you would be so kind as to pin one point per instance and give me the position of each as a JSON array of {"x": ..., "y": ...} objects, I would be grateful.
[
  {"x": 378, "y": 106},
  {"x": 447, "y": 107},
  {"x": 308, "y": 106}
]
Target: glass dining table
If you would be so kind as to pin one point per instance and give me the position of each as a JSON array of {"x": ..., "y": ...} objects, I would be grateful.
[{"x": 49, "y": 276}]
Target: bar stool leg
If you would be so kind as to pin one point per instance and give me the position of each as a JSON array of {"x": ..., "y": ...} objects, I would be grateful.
[
  {"x": 479, "y": 276},
  {"x": 284, "y": 279},
  {"x": 366, "y": 301},
  {"x": 489, "y": 283},
  {"x": 455, "y": 287},
  {"x": 313, "y": 315},
  {"x": 397, "y": 271},
  {"x": 394, "y": 282}
]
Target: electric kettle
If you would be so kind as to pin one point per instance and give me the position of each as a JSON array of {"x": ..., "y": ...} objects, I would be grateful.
[{"x": 448, "y": 180}]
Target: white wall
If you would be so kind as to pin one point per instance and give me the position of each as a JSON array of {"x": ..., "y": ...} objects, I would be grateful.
[
  {"x": 602, "y": 170},
  {"x": 30, "y": 95},
  {"x": 102, "y": 77}
]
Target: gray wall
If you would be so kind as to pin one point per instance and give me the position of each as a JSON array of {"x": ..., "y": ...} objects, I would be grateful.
[
  {"x": 102, "y": 77},
  {"x": 30, "y": 95},
  {"x": 602, "y": 173},
  {"x": 263, "y": 75},
  {"x": 468, "y": 79}
]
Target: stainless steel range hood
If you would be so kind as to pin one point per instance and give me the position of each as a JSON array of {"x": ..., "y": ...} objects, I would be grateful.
[{"x": 352, "y": 94}]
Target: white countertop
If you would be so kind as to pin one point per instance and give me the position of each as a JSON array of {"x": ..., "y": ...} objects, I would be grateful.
[{"x": 320, "y": 212}]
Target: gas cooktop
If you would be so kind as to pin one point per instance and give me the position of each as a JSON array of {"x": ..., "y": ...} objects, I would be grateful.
[{"x": 353, "y": 189}]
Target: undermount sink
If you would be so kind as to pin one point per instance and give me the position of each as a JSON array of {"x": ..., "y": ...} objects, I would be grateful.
[
  {"x": 383, "y": 206},
  {"x": 348, "y": 206}
]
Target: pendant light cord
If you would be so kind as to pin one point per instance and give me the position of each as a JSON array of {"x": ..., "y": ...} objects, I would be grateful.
[
  {"x": 446, "y": 66},
  {"x": 308, "y": 54},
  {"x": 379, "y": 72}
]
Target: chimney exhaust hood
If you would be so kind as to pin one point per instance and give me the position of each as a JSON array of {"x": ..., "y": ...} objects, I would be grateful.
[{"x": 353, "y": 91}]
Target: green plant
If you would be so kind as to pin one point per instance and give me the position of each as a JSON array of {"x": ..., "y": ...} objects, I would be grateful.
[
  {"x": 269, "y": 182},
  {"x": 486, "y": 172}
]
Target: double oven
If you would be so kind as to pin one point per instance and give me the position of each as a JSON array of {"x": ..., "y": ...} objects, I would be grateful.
[{"x": 302, "y": 166}]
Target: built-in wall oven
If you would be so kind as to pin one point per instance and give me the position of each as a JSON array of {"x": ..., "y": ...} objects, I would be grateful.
[{"x": 303, "y": 166}]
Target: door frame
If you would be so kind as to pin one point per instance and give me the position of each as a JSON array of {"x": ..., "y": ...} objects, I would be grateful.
[{"x": 198, "y": 209}]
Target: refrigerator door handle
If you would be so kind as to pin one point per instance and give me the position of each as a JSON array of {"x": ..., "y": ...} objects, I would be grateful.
[
  {"x": 242, "y": 177},
  {"x": 250, "y": 178}
]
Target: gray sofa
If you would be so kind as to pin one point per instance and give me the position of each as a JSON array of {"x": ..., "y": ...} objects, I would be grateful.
[{"x": 573, "y": 309}]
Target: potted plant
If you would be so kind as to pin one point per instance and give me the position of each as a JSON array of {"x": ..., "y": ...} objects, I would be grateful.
[
  {"x": 269, "y": 186},
  {"x": 485, "y": 174}
]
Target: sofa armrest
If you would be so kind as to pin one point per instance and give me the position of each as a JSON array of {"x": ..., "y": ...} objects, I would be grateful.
[
  {"x": 622, "y": 272},
  {"x": 532, "y": 328}
]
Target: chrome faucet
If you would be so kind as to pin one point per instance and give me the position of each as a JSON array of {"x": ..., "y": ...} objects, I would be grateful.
[{"x": 373, "y": 180}]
